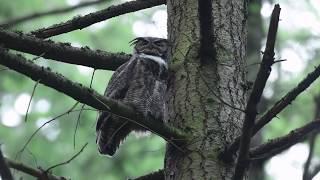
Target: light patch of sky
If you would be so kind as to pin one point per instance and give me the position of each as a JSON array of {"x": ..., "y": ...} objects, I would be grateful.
[
  {"x": 84, "y": 70},
  {"x": 73, "y": 2},
  {"x": 289, "y": 164},
  {"x": 75, "y": 44},
  {"x": 292, "y": 15},
  {"x": 51, "y": 131},
  {"x": 268, "y": 92},
  {"x": 98, "y": 26},
  {"x": 42, "y": 106},
  {"x": 9, "y": 117},
  {"x": 21, "y": 103},
  {"x": 294, "y": 62},
  {"x": 158, "y": 27},
  {"x": 296, "y": 15}
]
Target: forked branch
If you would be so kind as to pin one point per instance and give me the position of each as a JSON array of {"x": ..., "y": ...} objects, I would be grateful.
[{"x": 254, "y": 98}]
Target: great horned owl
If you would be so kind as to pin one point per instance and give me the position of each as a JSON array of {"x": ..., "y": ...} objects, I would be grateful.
[{"x": 140, "y": 83}]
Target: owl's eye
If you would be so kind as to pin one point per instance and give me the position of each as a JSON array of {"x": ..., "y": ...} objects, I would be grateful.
[
  {"x": 144, "y": 42},
  {"x": 159, "y": 43}
]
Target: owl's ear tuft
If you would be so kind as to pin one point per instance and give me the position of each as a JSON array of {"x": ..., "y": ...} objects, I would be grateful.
[{"x": 135, "y": 41}]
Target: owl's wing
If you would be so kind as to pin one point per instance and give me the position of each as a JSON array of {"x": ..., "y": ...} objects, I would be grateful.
[{"x": 117, "y": 87}]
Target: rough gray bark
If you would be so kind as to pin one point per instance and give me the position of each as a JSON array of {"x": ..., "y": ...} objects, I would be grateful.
[{"x": 204, "y": 100}]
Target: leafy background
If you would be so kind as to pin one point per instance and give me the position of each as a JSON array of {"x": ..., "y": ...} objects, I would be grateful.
[{"x": 298, "y": 43}]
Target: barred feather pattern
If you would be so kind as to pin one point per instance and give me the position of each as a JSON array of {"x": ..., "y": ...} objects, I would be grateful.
[{"x": 140, "y": 83}]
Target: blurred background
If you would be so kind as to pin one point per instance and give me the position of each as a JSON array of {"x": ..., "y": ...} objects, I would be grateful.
[{"x": 298, "y": 43}]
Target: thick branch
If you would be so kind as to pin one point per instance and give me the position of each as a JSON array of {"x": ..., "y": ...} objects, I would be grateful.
[
  {"x": 5, "y": 173},
  {"x": 277, "y": 145},
  {"x": 89, "y": 19},
  {"x": 13, "y": 22},
  {"x": 86, "y": 95},
  {"x": 39, "y": 174},
  {"x": 207, "y": 51},
  {"x": 158, "y": 175},
  {"x": 254, "y": 98},
  {"x": 61, "y": 51}
]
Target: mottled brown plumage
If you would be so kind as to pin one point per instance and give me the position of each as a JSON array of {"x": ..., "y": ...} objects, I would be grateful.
[{"x": 140, "y": 83}]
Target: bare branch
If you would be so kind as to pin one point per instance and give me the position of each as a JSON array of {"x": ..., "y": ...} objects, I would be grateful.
[
  {"x": 277, "y": 145},
  {"x": 157, "y": 175},
  {"x": 286, "y": 100},
  {"x": 13, "y": 22},
  {"x": 87, "y": 96},
  {"x": 277, "y": 108},
  {"x": 89, "y": 19},
  {"x": 62, "y": 52},
  {"x": 5, "y": 173},
  {"x": 32, "y": 94},
  {"x": 32, "y": 171},
  {"x": 69, "y": 160},
  {"x": 254, "y": 98},
  {"x": 79, "y": 115}
]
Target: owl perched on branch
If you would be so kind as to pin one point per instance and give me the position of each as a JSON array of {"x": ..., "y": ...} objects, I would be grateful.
[{"x": 140, "y": 83}]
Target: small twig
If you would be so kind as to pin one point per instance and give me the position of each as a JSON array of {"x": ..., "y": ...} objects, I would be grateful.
[
  {"x": 92, "y": 18},
  {"x": 5, "y": 173},
  {"x": 32, "y": 171},
  {"x": 278, "y": 145},
  {"x": 79, "y": 116},
  {"x": 68, "y": 161},
  {"x": 34, "y": 133},
  {"x": 280, "y": 60},
  {"x": 254, "y": 98},
  {"x": 32, "y": 94},
  {"x": 306, "y": 168},
  {"x": 13, "y": 22}
]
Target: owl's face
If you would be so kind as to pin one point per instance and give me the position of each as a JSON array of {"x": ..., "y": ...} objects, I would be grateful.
[{"x": 151, "y": 46}]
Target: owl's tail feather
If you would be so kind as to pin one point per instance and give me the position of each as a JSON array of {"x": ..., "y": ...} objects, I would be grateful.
[{"x": 111, "y": 131}]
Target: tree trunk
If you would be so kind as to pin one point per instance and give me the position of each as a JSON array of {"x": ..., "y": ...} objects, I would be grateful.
[{"x": 204, "y": 99}]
